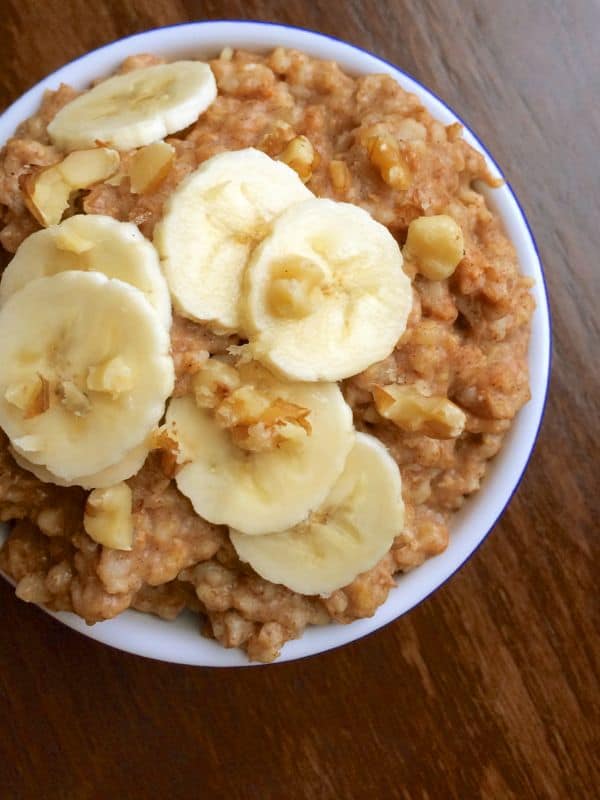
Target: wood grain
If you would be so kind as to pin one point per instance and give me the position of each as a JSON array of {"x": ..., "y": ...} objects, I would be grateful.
[{"x": 489, "y": 689}]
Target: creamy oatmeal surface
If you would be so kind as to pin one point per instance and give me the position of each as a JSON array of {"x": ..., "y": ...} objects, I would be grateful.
[{"x": 369, "y": 143}]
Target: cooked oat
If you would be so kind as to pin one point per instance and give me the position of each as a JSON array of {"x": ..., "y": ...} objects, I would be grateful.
[{"x": 372, "y": 144}]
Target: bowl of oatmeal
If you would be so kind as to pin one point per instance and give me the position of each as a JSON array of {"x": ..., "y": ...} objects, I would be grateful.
[{"x": 369, "y": 344}]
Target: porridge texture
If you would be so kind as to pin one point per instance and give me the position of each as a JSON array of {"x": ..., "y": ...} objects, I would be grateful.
[{"x": 359, "y": 140}]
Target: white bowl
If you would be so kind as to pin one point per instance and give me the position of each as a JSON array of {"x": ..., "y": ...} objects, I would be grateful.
[{"x": 180, "y": 641}]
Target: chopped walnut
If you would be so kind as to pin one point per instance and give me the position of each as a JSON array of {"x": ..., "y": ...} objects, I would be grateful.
[
  {"x": 385, "y": 154},
  {"x": 301, "y": 156},
  {"x": 339, "y": 173},
  {"x": 46, "y": 190},
  {"x": 170, "y": 456},
  {"x": 213, "y": 382},
  {"x": 414, "y": 412},
  {"x": 277, "y": 137},
  {"x": 257, "y": 422}
]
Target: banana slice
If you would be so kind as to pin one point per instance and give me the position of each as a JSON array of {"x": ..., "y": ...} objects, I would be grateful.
[
  {"x": 129, "y": 465},
  {"x": 210, "y": 224},
  {"x": 259, "y": 491},
  {"x": 85, "y": 371},
  {"x": 325, "y": 293},
  {"x": 349, "y": 533},
  {"x": 91, "y": 242},
  {"x": 136, "y": 108}
]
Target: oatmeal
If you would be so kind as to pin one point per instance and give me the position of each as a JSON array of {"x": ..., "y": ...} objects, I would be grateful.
[{"x": 440, "y": 400}]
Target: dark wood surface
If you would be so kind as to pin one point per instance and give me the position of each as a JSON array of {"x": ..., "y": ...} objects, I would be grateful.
[{"x": 489, "y": 689}]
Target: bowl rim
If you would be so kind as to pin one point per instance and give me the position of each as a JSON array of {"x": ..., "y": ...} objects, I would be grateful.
[{"x": 372, "y": 624}]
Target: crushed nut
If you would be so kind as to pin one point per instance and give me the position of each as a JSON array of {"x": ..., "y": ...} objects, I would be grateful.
[
  {"x": 244, "y": 406},
  {"x": 163, "y": 439},
  {"x": 385, "y": 155},
  {"x": 341, "y": 180},
  {"x": 280, "y": 134},
  {"x": 46, "y": 195},
  {"x": 213, "y": 382},
  {"x": 257, "y": 422},
  {"x": 46, "y": 191},
  {"x": 414, "y": 412},
  {"x": 300, "y": 155},
  {"x": 281, "y": 412},
  {"x": 83, "y": 168}
]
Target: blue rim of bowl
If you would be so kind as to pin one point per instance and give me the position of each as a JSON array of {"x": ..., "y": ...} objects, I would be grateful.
[{"x": 488, "y": 155}]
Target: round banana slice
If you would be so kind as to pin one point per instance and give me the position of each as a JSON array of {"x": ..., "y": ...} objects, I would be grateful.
[
  {"x": 129, "y": 465},
  {"x": 210, "y": 224},
  {"x": 325, "y": 292},
  {"x": 347, "y": 535},
  {"x": 91, "y": 242},
  {"x": 136, "y": 108},
  {"x": 85, "y": 371},
  {"x": 272, "y": 488}
]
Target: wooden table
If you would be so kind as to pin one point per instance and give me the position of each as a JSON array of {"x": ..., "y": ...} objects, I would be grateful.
[{"x": 489, "y": 688}]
